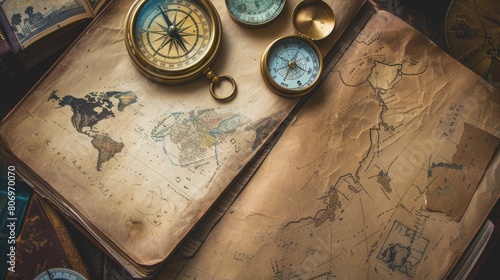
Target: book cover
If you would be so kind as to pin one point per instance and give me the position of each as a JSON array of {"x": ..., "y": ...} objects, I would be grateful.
[
  {"x": 14, "y": 199},
  {"x": 44, "y": 243}
]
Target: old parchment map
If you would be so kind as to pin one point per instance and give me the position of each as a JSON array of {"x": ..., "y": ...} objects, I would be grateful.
[
  {"x": 136, "y": 163},
  {"x": 195, "y": 142},
  {"x": 377, "y": 177}
]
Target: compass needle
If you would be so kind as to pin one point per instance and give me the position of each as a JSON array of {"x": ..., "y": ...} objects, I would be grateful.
[
  {"x": 165, "y": 16},
  {"x": 176, "y": 46}
]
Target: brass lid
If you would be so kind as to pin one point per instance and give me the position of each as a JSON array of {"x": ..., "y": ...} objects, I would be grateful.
[{"x": 313, "y": 19}]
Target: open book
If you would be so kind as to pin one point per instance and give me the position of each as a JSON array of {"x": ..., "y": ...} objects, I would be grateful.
[
  {"x": 32, "y": 30},
  {"x": 384, "y": 170}
]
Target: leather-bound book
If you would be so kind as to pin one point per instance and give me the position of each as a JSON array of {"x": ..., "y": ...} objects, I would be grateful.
[{"x": 44, "y": 243}]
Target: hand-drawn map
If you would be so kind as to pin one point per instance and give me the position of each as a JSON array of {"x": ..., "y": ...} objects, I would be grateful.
[
  {"x": 189, "y": 140},
  {"x": 356, "y": 188},
  {"x": 137, "y": 163},
  {"x": 89, "y": 111}
]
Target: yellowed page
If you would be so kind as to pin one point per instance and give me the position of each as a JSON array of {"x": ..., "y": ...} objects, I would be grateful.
[
  {"x": 342, "y": 195},
  {"x": 137, "y": 163}
]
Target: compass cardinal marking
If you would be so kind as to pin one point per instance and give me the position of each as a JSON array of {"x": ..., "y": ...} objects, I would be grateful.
[{"x": 172, "y": 30}]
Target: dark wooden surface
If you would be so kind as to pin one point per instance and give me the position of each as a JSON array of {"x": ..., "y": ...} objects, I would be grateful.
[{"x": 427, "y": 16}]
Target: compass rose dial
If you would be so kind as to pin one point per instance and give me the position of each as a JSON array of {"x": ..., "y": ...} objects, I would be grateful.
[
  {"x": 254, "y": 13},
  {"x": 291, "y": 66},
  {"x": 173, "y": 35},
  {"x": 174, "y": 42}
]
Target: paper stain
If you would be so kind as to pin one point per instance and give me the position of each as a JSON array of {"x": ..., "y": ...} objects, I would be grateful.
[{"x": 452, "y": 184}]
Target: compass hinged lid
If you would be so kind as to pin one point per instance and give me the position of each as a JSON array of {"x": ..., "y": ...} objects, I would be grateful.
[{"x": 313, "y": 19}]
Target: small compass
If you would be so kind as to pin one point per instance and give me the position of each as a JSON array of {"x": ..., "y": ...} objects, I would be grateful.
[
  {"x": 291, "y": 65},
  {"x": 254, "y": 13},
  {"x": 59, "y": 274}
]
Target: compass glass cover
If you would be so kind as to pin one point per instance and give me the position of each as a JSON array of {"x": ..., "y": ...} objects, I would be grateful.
[
  {"x": 173, "y": 35},
  {"x": 293, "y": 64}
]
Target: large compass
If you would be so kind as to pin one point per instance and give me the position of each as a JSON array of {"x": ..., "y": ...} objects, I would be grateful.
[{"x": 175, "y": 41}]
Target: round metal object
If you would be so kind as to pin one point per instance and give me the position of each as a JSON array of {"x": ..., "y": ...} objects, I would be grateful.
[
  {"x": 313, "y": 19},
  {"x": 291, "y": 66},
  {"x": 254, "y": 13},
  {"x": 173, "y": 41},
  {"x": 60, "y": 274}
]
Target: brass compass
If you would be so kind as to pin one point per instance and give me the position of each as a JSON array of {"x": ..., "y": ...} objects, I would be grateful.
[
  {"x": 291, "y": 66},
  {"x": 175, "y": 41},
  {"x": 254, "y": 13}
]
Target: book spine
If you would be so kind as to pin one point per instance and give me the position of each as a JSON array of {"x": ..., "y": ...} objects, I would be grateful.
[
  {"x": 5, "y": 48},
  {"x": 8, "y": 32},
  {"x": 8, "y": 64}
]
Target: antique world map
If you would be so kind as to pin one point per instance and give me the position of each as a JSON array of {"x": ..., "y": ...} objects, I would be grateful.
[
  {"x": 190, "y": 140},
  {"x": 89, "y": 111},
  {"x": 380, "y": 175},
  {"x": 372, "y": 178},
  {"x": 137, "y": 163}
]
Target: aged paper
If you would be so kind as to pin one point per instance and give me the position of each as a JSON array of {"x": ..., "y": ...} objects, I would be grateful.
[
  {"x": 452, "y": 184},
  {"x": 342, "y": 195},
  {"x": 136, "y": 163}
]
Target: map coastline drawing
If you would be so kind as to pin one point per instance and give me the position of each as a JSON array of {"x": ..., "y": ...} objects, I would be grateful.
[
  {"x": 381, "y": 78},
  {"x": 193, "y": 136},
  {"x": 89, "y": 111},
  {"x": 196, "y": 141},
  {"x": 355, "y": 202}
]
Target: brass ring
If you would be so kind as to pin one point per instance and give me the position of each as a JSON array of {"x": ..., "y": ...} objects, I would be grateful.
[{"x": 224, "y": 97}]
